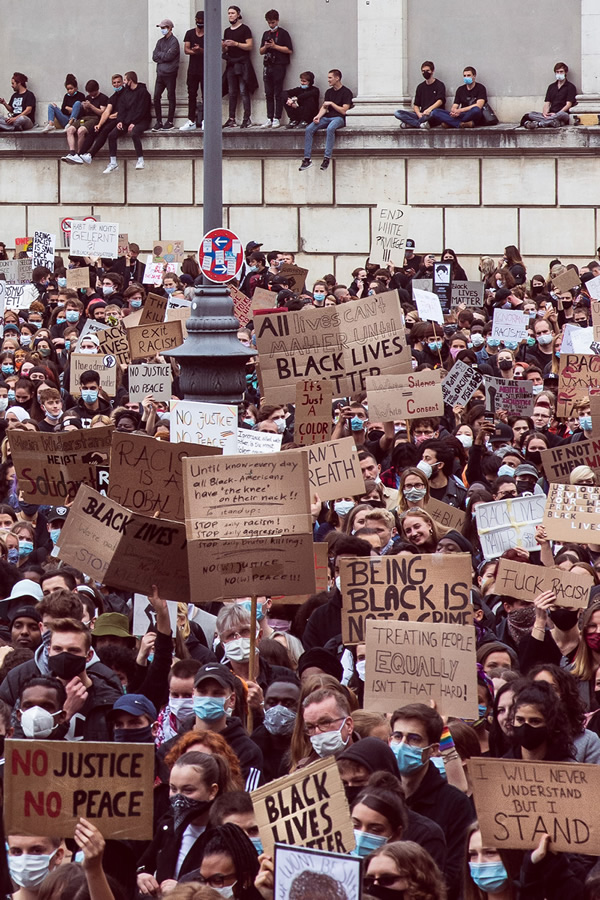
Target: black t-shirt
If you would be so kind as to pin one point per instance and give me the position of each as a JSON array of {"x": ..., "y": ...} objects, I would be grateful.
[
  {"x": 275, "y": 58},
  {"x": 466, "y": 97},
  {"x": 340, "y": 97},
  {"x": 557, "y": 97},
  {"x": 19, "y": 102},
  {"x": 240, "y": 35},
  {"x": 69, "y": 100},
  {"x": 99, "y": 101},
  {"x": 428, "y": 94},
  {"x": 197, "y": 60}
]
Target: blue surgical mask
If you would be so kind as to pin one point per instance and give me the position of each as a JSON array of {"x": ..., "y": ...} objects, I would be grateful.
[
  {"x": 247, "y": 605},
  {"x": 108, "y": 289},
  {"x": 170, "y": 290},
  {"x": 61, "y": 320},
  {"x": 89, "y": 396},
  {"x": 560, "y": 76},
  {"x": 61, "y": 282},
  {"x": 249, "y": 422},
  {"x": 120, "y": 88},
  {"x": 13, "y": 556},
  {"x": 366, "y": 843},
  {"x": 409, "y": 759},
  {"x": 257, "y": 844},
  {"x": 434, "y": 345},
  {"x": 357, "y": 424},
  {"x": 72, "y": 315},
  {"x": 67, "y": 345},
  {"x": 511, "y": 345},
  {"x": 537, "y": 389},
  {"x": 164, "y": 31},
  {"x": 54, "y": 535},
  {"x": 25, "y": 340},
  {"x": 530, "y": 341},
  {"x": 468, "y": 79},
  {"x": 319, "y": 295},
  {"x": 493, "y": 342},
  {"x": 11, "y": 395},
  {"x": 209, "y": 709},
  {"x": 25, "y": 548},
  {"x": 343, "y": 507},
  {"x": 8, "y": 369},
  {"x": 585, "y": 422},
  {"x": 135, "y": 304},
  {"x": 489, "y": 877},
  {"x": 505, "y": 470}
]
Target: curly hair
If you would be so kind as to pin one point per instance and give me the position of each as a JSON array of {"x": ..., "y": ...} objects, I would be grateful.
[
  {"x": 583, "y": 663},
  {"x": 216, "y": 746},
  {"x": 566, "y": 686},
  {"x": 559, "y": 745},
  {"x": 425, "y": 881}
]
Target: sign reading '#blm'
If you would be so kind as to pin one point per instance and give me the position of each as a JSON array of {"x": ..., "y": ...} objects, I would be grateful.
[
  {"x": 342, "y": 344},
  {"x": 405, "y": 396},
  {"x": 559, "y": 462},
  {"x": 504, "y": 524},
  {"x": 572, "y": 513}
]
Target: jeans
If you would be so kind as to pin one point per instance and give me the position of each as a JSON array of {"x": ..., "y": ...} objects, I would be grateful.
[
  {"x": 55, "y": 113},
  {"x": 237, "y": 84},
  {"x": 135, "y": 135},
  {"x": 162, "y": 82},
  {"x": 22, "y": 123},
  {"x": 542, "y": 122},
  {"x": 273, "y": 78},
  {"x": 410, "y": 118},
  {"x": 331, "y": 123},
  {"x": 472, "y": 115},
  {"x": 195, "y": 108}
]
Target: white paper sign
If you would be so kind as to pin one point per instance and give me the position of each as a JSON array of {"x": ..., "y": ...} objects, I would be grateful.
[
  {"x": 44, "y": 245},
  {"x": 150, "y": 378},
  {"x": 581, "y": 339},
  {"x": 509, "y": 325},
  {"x": 258, "y": 441},
  {"x": 153, "y": 272},
  {"x": 566, "y": 345},
  {"x": 144, "y": 616},
  {"x": 389, "y": 233},
  {"x": 460, "y": 383},
  {"x": 90, "y": 327},
  {"x": 428, "y": 306},
  {"x": 212, "y": 424},
  {"x": 94, "y": 239},
  {"x": 504, "y": 524},
  {"x": 593, "y": 287},
  {"x": 18, "y": 296},
  {"x": 179, "y": 303}
]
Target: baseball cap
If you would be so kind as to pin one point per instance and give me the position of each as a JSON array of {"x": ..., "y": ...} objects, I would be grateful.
[
  {"x": 410, "y": 244},
  {"x": 252, "y": 245},
  {"x": 200, "y": 15},
  {"x": 165, "y": 23},
  {"x": 57, "y": 514},
  {"x": 135, "y": 705},
  {"x": 26, "y": 588},
  {"x": 527, "y": 469},
  {"x": 501, "y": 295},
  {"x": 218, "y": 672},
  {"x": 502, "y": 432},
  {"x": 24, "y": 612}
]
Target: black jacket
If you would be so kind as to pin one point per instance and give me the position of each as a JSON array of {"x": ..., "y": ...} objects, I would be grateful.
[
  {"x": 276, "y": 756},
  {"x": 86, "y": 415},
  {"x": 160, "y": 858},
  {"x": 135, "y": 107},
  {"x": 324, "y": 623}
]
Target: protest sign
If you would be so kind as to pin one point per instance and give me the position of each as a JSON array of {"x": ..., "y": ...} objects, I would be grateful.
[
  {"x": 559, "y": 462},
  {"x": 321, "y": 568},
  {"x": 447, "y": 516},
  {"x": 442, "y": 283},
  {"x": 302, "y": 873},
  {"x": 566, "y": 345},
  {"x": 225, "y": 569},
  {"x": 582, "y": 339},
  {"x": 23, "y": 245},
  {"x": 334, "y": 469},
  {"x": 460, "y": 384},
  {"x": 144, "y": 616},
  {"x": 578, "y": 377},
  {"x": 509, "y": 325},
  {"x": 18, "y": 271},
  {"x": 296, "y": 275},
  {"x": 113, "y": 342},
  {"x": 509, "y": 394},
  {"x": 525, "y": 582},
  {"x": 44, "y": 245},
  {"x": 169, "y": 251},
  {"x": 405, "y": 396},
  {"x": 389, "y": 230},
  {"x": 153, "y": 272},
  {"x": 153, "y": 310},
  {"x": 422, "y": 284},
  {"x": 572, "y": 513},
  {"x": 415, "y": 662},
  {"x": 429, "y": 588},
  {"x": 94, "y": 239},
  {"x": 518, "y": 801},
  {"x": 593, "y": 287},
  {"x": 247, "y": 496},
  {"x": 595, "y": 308},
  {"x": 312, "y": 422},
  {"x": 342, "y": 344},
  {"x": 49, "y": 785},
  {"x": 242, "y": 305},
  {"x": 132, "y": 320},
  {"x": 153, "y": 379},
  {"x": 15, "y": 296},
  {"x": 250, "y": 441},
  {"x": 428, "y": 306},
  {"x": 123, "y": 549},
  {"x": 504, "y": 524},
  {"x": 146, "y": 475},
  {"x": 50, "y": 466},
  {"x": 149, "y": 340},
  {"x": 104, "y": 366},
  {"x": 179, "y": 303},
  {"x": 213, "y": 424},
  {"x": 566, "y": 281},
  {"x": 123, "y": 245},
  {"x": 91, "y": 326},
  {"x": 467, "y": 293},
  {"x": 307, "y": 809},
  {"x": 78, "y": 278},
  {"x": 263, "y": 299}
]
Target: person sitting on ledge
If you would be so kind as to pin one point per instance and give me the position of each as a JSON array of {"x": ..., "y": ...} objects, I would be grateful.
[
  {"x": 469, "y": 100},
  {"x": 561, "y": 96},
  {"x": 430, "y": 95}
]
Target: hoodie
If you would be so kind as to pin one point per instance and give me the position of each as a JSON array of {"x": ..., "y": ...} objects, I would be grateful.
[{"x": 86, "y": 415}]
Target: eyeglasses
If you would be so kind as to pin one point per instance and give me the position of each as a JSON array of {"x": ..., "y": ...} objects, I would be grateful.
[
  {"x": 322, "y": 727},
  {"x": 384, "y": 881},
  {"x": 215, "y": 881}
]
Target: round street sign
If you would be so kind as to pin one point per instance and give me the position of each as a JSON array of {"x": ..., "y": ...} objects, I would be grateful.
[{"x": 220, "y": 255}]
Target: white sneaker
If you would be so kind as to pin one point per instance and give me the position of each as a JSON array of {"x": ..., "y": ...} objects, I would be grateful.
[
  {"x": 49, "y": 126},
  {"x": 140, "y": 164},
  {"x": 276, "y": 123},
  {"x": 110, "y": 168},
  {"x": 189, "y": 126},
  {"x": 68, "y": 158},
  {"x": 75, "y": 158},
  {"x": 267, "y": 124},
  {"x": 86, "y": 158}
]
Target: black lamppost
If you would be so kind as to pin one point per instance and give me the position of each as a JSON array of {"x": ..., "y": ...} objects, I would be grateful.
[{"x": 212, "y": 360}]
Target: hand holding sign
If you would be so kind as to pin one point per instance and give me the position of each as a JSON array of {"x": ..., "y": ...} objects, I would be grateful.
[{"x": 90, "y": 841}]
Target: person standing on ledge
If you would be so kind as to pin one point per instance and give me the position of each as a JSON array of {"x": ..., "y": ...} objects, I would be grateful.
[
  {"x": 193, "y": 46},
  {"x": 276, "y": 50},
  {"x": 166, "y": 57},
  {"x": 237, "y": 44},
  {"x": 469, "y": 100}
]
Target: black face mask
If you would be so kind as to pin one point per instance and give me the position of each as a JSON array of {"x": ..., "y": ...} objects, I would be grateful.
[
  {"x": 534, "y": 456},
  {"x": 505, "y": 365},
  {"x": 564, "y": 619},
  {"x": 385, "y": 893},
  {"x": 352, "y": 791},
  {"x": 186, "y": 808},
  {"x": 141, "y": 735},
  {"x": 529, "y": 737},
  {"x": 66, "y": 665}
]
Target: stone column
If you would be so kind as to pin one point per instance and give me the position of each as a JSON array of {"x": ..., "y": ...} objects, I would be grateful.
[
  {"x": 589, "y": 99},
  {"x": 178, "y": 11},
  {"x": 382, "y": 61}
]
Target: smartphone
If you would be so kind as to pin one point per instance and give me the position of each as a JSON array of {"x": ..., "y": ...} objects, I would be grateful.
[{"x": 488, "y": 419}]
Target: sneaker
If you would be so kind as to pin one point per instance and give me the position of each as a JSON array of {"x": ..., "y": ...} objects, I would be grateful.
[
  {"x": 75, "y": 158},
  {"x": 302, "y": 124},
  {"x": 70, "y": 122},
  {"x": 157, "y": 127},
  {"x": 291, "y": 125},
  {"x": 246, "y": 123},
  {"x": 86, "y": 158},
  {"x": 140, "y": 164},
  {"x": 306, "y": 164},
  {"x": 529, "y": 125},
  {"x": 424, "y": 125},
  {"x": 276, "y": 123},
  {"x": 325, "y": 163},
  {"x": 110, "y": 168},
  {"x": 67, "y": 159},
  {"x": 230, "y": 123},
  {"x": 49, "y": 126},
  {"x": 189, "y": 126},
  {"x": 267, "y": 124},
  {"x": 168, "y": 126}
]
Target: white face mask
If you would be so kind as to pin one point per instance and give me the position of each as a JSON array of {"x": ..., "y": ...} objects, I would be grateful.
[
  {"x": 226, "y": 890},
  {"x": 29, "y": 870},
  {"x": 37, "y": 722},
  {"x": 343, "y": 507},
  {"x": 330, "y": 743},
  {"x": 238, "y": 650},
  {"x": 360, "y": 668},
  {"x": 280, "y": 423},
  {"x": 181, "y": 707},
  {"x": 425, "y": 468},
  {"x": 3, "y": 404},
  {"x": 466, "y": 440}
]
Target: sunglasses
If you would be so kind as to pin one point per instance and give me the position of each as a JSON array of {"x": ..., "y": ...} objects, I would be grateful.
[{"x": 384, "y": 881}]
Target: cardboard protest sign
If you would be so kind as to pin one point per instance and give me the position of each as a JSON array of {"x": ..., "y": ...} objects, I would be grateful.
[
  {"x": 296, "y": 274},
  {"x": 257, "y": 495},
  {"x": 49, "y": 785},
  {"x": 334, "y": 469},
  {"x": 509, "y": 394},
  {"x": 16, "y": 296},
  {"x": 572, "y": 513},
  {"x": 503, "y": 524},
  {"x": 23, "y": 245},
  {"x": 307, "y": 809},
  {"x": 146, "y": 475},
  {"x": 595, "y": 308},
  {"x": 113, "y": 342},
  {"x": 213, "y": 424},
  {"x": 169, "y": 251},
  {"x": 405, "y": 396},
  {"x": 224, "y": 569},
  {"x": 150, "y": 378},
  {"x": 517, "y": 801},
  {"x": 90, "y": 327},
  {"x": 242, "y": 305},
  {"x": 342, "y": 344},
  {"x": 250, "y": 441},
  {"x": 153, "y": 310},
  {"x": 94, "y": 239},
  {"x": 559, "y": 462},
  {"x": 321, "y": 568},
  {"x": 428, "y": 306},
  {"x": 467, "y": 293},
  {"x": 44, "y": 245},
  {"x": 415, "y": 662},
  {"x": 312, "y": 422},
  {"x": 105, "y": 366},
  {"x": 566, "y": 281},
  {"x": 389, "y": 230},
  {"x": 123, "y": 245},
  {"x": 78, "y": 278},
  {"x": 509, "y": 325},
  {"x": 263, "y": 299},
  {"x": 51, "y": 466},
  {"x": 429, "y": 588},
  {"x": 460, "y": 384},
  {"x": 144, "y": 616},
  {"x": 148, "y": 340},
  {"x": 17, "y": 271},
  {"x": 132, "y": 320},
  {"x": 303, "y": 873},
  {"x": 445, "y": 515},
  {"x": 125, "y": 550},
  {"x": 578, "y": 377},
  {"x": 525, "y": 582}
]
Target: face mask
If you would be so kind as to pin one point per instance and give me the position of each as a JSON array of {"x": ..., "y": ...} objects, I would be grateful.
[
  {"x": 330, "y": 743},
  {"x": 89, "y": 396},
  {"x": 25, "y": 548},
  {"x": 141, "y": 735},
  {"x": 477, "y": 339},
  {"x": 493, "y": 342},
  {"x": 357, "y": 424},
  {"x": 505, "y": 364},
  {"x": 62, "y": 282},
  {"x": 585, "y": 422},
  {"x": 257, "y": 844},
  {"x": 468, "y": 79},
  {"x": 67, "y": 345},
  {"x": 8, "y": 369},
  {"x": 414, "y": 494},
  {"x": 409, "y": 759},
  {"x": 466, "y": 440},
  {"x": 366, "y": 843},
  {"x": 209, "y": 709},
  {"x": 238, "y": 650},
  {"x": 531, "y": 342},
  {"x": 186, "y": 808},
  {"x": 60, "y": 320},
  {"x": 247, "y": 605},
  {"x": 318, "y": 295},
  {"x": 564, "y": 619},
  {"x": 544, "y": 339},
  {"x": 226, "y": 890},
  {"x": 529, "y": 737},
  {"x": 425, "y": 468},
  {"x": 489, "y": 877},
  {"x": 66, "y": 665},
  {"x": 343, "y": 507},
  {"x": 538, "y": 388},
  {"x": 38, "y": 722},
  {"x": 182, "y": 707},
  {"x": 454, "y": 351},
  {"x": 170, "y": 290},
  {"x": 253, "y": 268},
  {"x": 426, "y": 75},
  {"x": 560, "y": 76},
  {"x": 135, "y": 304},
  {"x": 13, "y": 556},
  {"x": 29, "y": 870},
  {"x": 280, "y": 720},
  {"x": 434, "y": 346},
  {"x": 280, "y": 425},
  {"x": 3, "y": 403},
  {"x": 511, "y": 345},
  {"x": 505, "y": 470},
  {"x": 534, "y": 457},
  {"x": 54, "y": 535},
  {"x": 164, "y": 31},
  {"x": 593, "y": 641},
  {"x": 304, "y": 86},
  {"x": 25, "y": 340},
  {"x": 72, "y": 315},
  {"x": 35, "y": 325},
  {"x": 44, "y": 351},
  {"x": 360, "y": 667}
]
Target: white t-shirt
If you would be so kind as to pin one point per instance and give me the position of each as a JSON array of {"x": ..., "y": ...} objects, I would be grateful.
[{"x": 190, "y": 836}]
